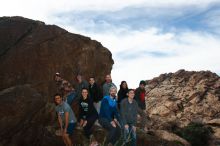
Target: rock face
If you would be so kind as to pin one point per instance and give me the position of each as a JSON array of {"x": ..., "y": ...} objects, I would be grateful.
[
  {"x": 23, "y": 118},
  {"x": 30, "y": 54},
  {"x": 183, "y": 97}
]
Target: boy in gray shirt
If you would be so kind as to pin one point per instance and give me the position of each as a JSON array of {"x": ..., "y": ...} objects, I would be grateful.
[
  {"x": 66, "y": 119},
  {"x": 129, "y": 111}
]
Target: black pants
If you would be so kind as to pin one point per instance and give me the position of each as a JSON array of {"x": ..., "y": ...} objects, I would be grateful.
[
  {"x": 114, "y": 133},
  {"x": 90, "y": 122}
]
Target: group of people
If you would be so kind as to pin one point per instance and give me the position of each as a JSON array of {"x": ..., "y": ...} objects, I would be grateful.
[{"x": 117, "y": 113}]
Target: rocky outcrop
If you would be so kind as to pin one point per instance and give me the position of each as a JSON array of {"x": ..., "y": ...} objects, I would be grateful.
[
  {"x": 31, "y": 52},
  {"x": 23, "y": 117},
  {"x": 171, "y": 137},
  {"x": 183, "y": 97}
]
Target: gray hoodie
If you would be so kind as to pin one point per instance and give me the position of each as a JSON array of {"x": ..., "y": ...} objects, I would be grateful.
[{"x": 129, "y": 112}]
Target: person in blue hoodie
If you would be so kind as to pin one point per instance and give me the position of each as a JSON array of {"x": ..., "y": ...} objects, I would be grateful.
[{"x": 109, "y": 117}]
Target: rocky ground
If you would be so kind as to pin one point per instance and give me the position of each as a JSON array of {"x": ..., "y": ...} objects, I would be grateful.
[{"x": 183, "y": 97}]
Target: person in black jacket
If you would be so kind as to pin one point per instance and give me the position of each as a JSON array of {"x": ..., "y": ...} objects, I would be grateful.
[
  {"x": 95, "y": 93},
  {"x": 88, "y": 114},
  {"x": 122, "y": 93}
]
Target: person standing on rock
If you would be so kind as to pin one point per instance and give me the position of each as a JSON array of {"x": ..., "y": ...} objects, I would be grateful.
[
  {"x": 122, "y": 93},
  {"x": 129, "y": 112},
  {"x": 81, "y": 83},
  {"x": 58, "y": 79},
  {"x": 140, "y": 94},
  {"x": 107, "y": 85},
  {"x": 69, "y": 93},
  {"x": 109, "y": 117},
  {"x": 62, "y": 84},
  {"x": 88, "y": 114},
  {"x": 66, "y": 118},
  {"x": 95, "y": 93}
]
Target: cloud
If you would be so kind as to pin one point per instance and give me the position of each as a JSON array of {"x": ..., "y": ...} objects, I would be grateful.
[
  {"x": 147, "y": 38},
  {"x": 131, "y": 55},
  {"x": 43, "y": 9},
  {"x": 173, "y": 18}
]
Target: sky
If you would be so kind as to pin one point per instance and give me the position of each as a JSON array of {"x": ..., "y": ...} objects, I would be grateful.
[{"x": 146, "y": 37}]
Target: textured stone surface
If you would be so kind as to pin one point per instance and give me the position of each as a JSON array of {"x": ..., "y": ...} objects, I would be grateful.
[
  {"x": 31, "y": 52},
  {"x": 183, "y": 97}
]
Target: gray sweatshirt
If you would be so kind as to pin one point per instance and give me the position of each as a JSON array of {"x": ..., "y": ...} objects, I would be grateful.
[{"x": 129, "y": 112}]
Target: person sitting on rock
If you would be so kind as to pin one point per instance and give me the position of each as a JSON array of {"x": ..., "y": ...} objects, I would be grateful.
[
  {"x": 81, "y": 83},
  {"x": 66, "y": 118},
  {"x": 122, "y": 93},
  {"x": 107, "y": 85},
  {"x": 129, "y": 112},
  {"x": 140, "y": 94},
  {"x": 109, "y": 117},
  {"x": 88, "y": 114},
  {"x": 95, "y": 93}
]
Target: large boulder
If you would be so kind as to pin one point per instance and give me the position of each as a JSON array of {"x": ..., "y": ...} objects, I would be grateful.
[
  {"x": 23, "y": 117},
  {"x": 32, "y": 52}
]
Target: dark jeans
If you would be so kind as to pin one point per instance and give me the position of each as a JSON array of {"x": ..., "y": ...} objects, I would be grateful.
[
  {"x": 130, "y": 136},
  {"x": 90, "y": 122},
  {"x": 114, "y": 133}
]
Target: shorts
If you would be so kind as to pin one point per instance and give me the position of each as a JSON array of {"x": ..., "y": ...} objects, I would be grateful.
[{"x": 70, "y": 128}]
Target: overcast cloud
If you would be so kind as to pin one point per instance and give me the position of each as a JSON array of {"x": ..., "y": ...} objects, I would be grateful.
[{"x": 146, "y": 37}]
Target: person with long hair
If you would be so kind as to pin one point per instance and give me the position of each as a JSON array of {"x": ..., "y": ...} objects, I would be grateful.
[
  {"x": 88, "y": 114},
  {"x": 122, "y": 93}
]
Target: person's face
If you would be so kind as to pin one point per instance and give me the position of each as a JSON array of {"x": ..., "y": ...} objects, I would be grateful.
[
  {"x": 58, "y": 100},
  {"x": 113, "y": 92},
  {"x": 131, "y": 94},
  {"x": 84, "y": 93},
  {"x": 142, "y": 86},
  {"x": 57, "y": 78},
  {"x": 79, "y": 78},
  {"x": 67, "y": 89},
  {"x": 124, "y": 85},
  {"x": 108, "y": 78},
  {"x": 91, "y": 81}
]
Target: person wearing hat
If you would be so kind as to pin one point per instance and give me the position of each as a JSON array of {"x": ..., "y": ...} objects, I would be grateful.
[
  {"x": 140, "y": 94},
  {"x": 59, "y": 80}
]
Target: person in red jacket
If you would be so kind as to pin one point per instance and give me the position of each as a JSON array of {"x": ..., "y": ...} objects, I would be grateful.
[{"x": 140, "y": 94}]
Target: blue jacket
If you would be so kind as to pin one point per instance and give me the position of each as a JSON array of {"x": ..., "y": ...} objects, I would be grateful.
[{"x": 108, "y": 112}]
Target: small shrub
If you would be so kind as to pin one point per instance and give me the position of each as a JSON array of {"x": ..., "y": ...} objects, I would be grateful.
[{"x": 196, "y": 133}]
